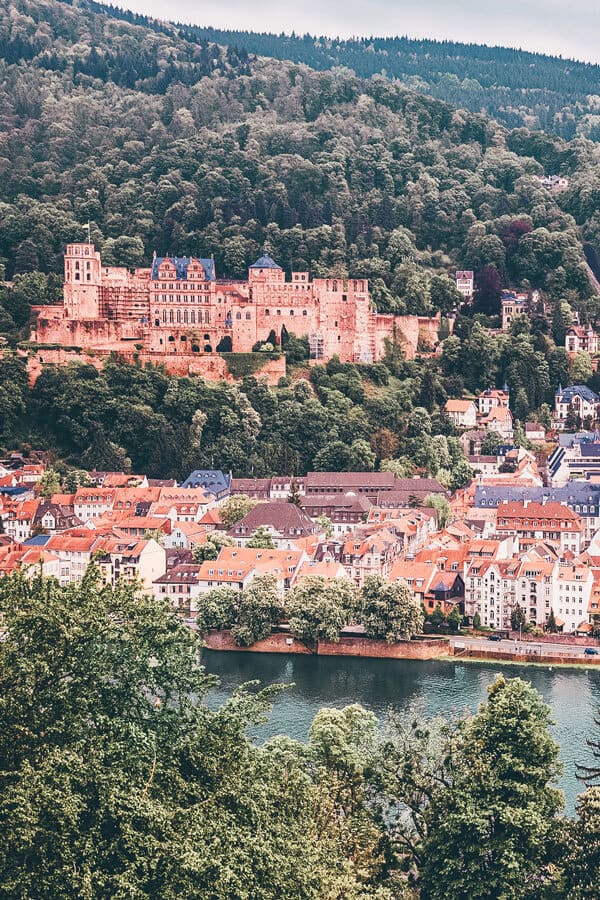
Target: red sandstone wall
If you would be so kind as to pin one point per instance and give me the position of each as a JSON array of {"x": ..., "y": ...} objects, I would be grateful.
[
  {"x": 571, "y": 639},
  {"x": 210, "y": 367},
  {"x": 277, "y": 643},
  {"x": 429, "y": 649},
  {"x": 408, "y": 331}
]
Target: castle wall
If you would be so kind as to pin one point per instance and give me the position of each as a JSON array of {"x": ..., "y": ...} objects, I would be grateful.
[{"x": 177, "y": 309}]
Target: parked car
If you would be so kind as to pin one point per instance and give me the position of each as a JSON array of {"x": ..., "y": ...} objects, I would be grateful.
[
  {"x": 590, "y": 651},
  {"x": 494, "y": 637}
]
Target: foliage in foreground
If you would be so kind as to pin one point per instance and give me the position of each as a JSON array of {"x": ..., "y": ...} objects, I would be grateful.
[{"x": 118, "y": 780}]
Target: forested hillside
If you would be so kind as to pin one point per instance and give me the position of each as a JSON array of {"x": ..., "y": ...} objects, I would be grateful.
[
  {"x": 514, "y": 86},
  {"x": 163, "y": 143}
]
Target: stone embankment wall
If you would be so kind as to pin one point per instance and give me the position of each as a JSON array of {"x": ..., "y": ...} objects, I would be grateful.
[
  {"x": 555, "y": 658},
  {"x": 210, "y": 367},
  {"x": 347, "y": 646}
]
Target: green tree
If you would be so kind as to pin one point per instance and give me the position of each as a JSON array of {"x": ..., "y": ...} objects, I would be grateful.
[
  {"x": 494, "y": 831},
  {"x": 441, "y": 506},
  {"x": 583, "y": 859},
  {"x": 389, "y": 610},
  {"x": 581, "y": 368},
  {"x": 106, "y": 742},
  {"x": 217, "y": 609},
  {"x": 476, "y": 621},
  {"x": 259, "y": 607},
  {"x": 518, "y": 619},
  {"x": 261, "y": 540},
  {"x": 234, "y": 508},
  {"x": 318, "y": 608},
  {"x": 49, "y": 483},
  {"x": 491, "y": 443},
  {"x": 455, "y": 619},
  {"x": 209, "y": 550},
  {"x": 437, "y": 618}
]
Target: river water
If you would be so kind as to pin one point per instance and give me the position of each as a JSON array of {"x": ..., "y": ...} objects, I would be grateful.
[{"x": 437, "y": 687}]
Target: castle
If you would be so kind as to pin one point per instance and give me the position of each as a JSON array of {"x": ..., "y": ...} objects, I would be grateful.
[{"x": 178, "y": 310}]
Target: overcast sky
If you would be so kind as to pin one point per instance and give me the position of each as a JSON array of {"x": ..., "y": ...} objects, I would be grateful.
[{"x": 565, "y": 27}]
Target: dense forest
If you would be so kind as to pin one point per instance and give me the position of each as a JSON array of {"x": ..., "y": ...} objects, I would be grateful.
[
  {"x": 119, "y": 779},
  {"x": 162, "y": 143},
  {"x": 513, "y": 86}
]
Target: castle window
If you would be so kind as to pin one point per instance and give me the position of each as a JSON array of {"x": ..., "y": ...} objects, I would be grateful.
[
  {"x": 179, "y": 315},
  {"x": 207, "y": 337},
  {"x": 88, "y": 276},
  {"x": 157, "y": 321},
  {"x": 267, "y": 312},
  {"x": 291, "y": 312},
  {"x": 193, "y": 316},
  {"x": 248, "y": 315},
  {"x": 76, "y": 276},
  {"x": 304, "y": 312},
  {"x": 164, "y": 316},
  {"x": 170, "y": 315},
  {"x": 185, "y": 315},
  {"x": 278, "y": 312},
  {"x": 206, "y": 298},
  {"x": 207, "y": 316}
]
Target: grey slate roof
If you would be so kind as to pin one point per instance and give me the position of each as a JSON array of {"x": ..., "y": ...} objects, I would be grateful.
[
  {"x": 577, "y": 390},
  {"x": 265, "y": 262},
  {"x": 181, "y": 264}
]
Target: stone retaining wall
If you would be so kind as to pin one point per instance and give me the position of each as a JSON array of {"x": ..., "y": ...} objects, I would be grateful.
[{"x": 280, "y": 642}]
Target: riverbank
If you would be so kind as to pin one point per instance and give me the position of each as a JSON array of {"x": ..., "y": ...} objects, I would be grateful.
[
  {"x": 283, "y": 642},
  {"x": 423, "y": 648}
]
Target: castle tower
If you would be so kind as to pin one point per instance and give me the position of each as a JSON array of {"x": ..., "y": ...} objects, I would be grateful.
[
  {"x": 265, "y": 271},
  {"x": 83, "y": 280}
]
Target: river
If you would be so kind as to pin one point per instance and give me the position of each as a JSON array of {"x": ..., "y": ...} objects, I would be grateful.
[{"x": 437, "y": 687}]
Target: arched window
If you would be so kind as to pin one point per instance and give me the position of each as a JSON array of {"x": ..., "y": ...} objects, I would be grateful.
[
  {"x": 238, "y": 315},
  {"x": 179, "y": 315},
  {"x": 185, "y": 316},
  {"x": 171, "y": 315},
  {"x": 164, "y": 315}
]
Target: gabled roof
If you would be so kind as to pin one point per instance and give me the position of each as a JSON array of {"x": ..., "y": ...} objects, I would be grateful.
[
  {"x": 458, "y": 406},
  {"x": 577, "y": 390},
  {"x": 181, "y": 264},
  {"x": 284, "y": 518}
]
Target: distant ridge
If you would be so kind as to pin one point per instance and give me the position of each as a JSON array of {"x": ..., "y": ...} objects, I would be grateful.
[{"x": 517, "y": 87}]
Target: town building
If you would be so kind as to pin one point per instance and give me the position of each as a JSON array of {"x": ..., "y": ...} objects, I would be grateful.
[
  {"x": 285, "y": 523},
  {"x": 462, "y": 413},
  {"x": 582, "y": 339},
  {"x": 578, "y": 401},
  {"x": 492, "y": 399},
  {"x": 532, "y": 522}
]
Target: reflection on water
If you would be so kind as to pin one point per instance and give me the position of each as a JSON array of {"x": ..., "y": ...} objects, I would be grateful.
[{"x": 380, "y": 684}]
